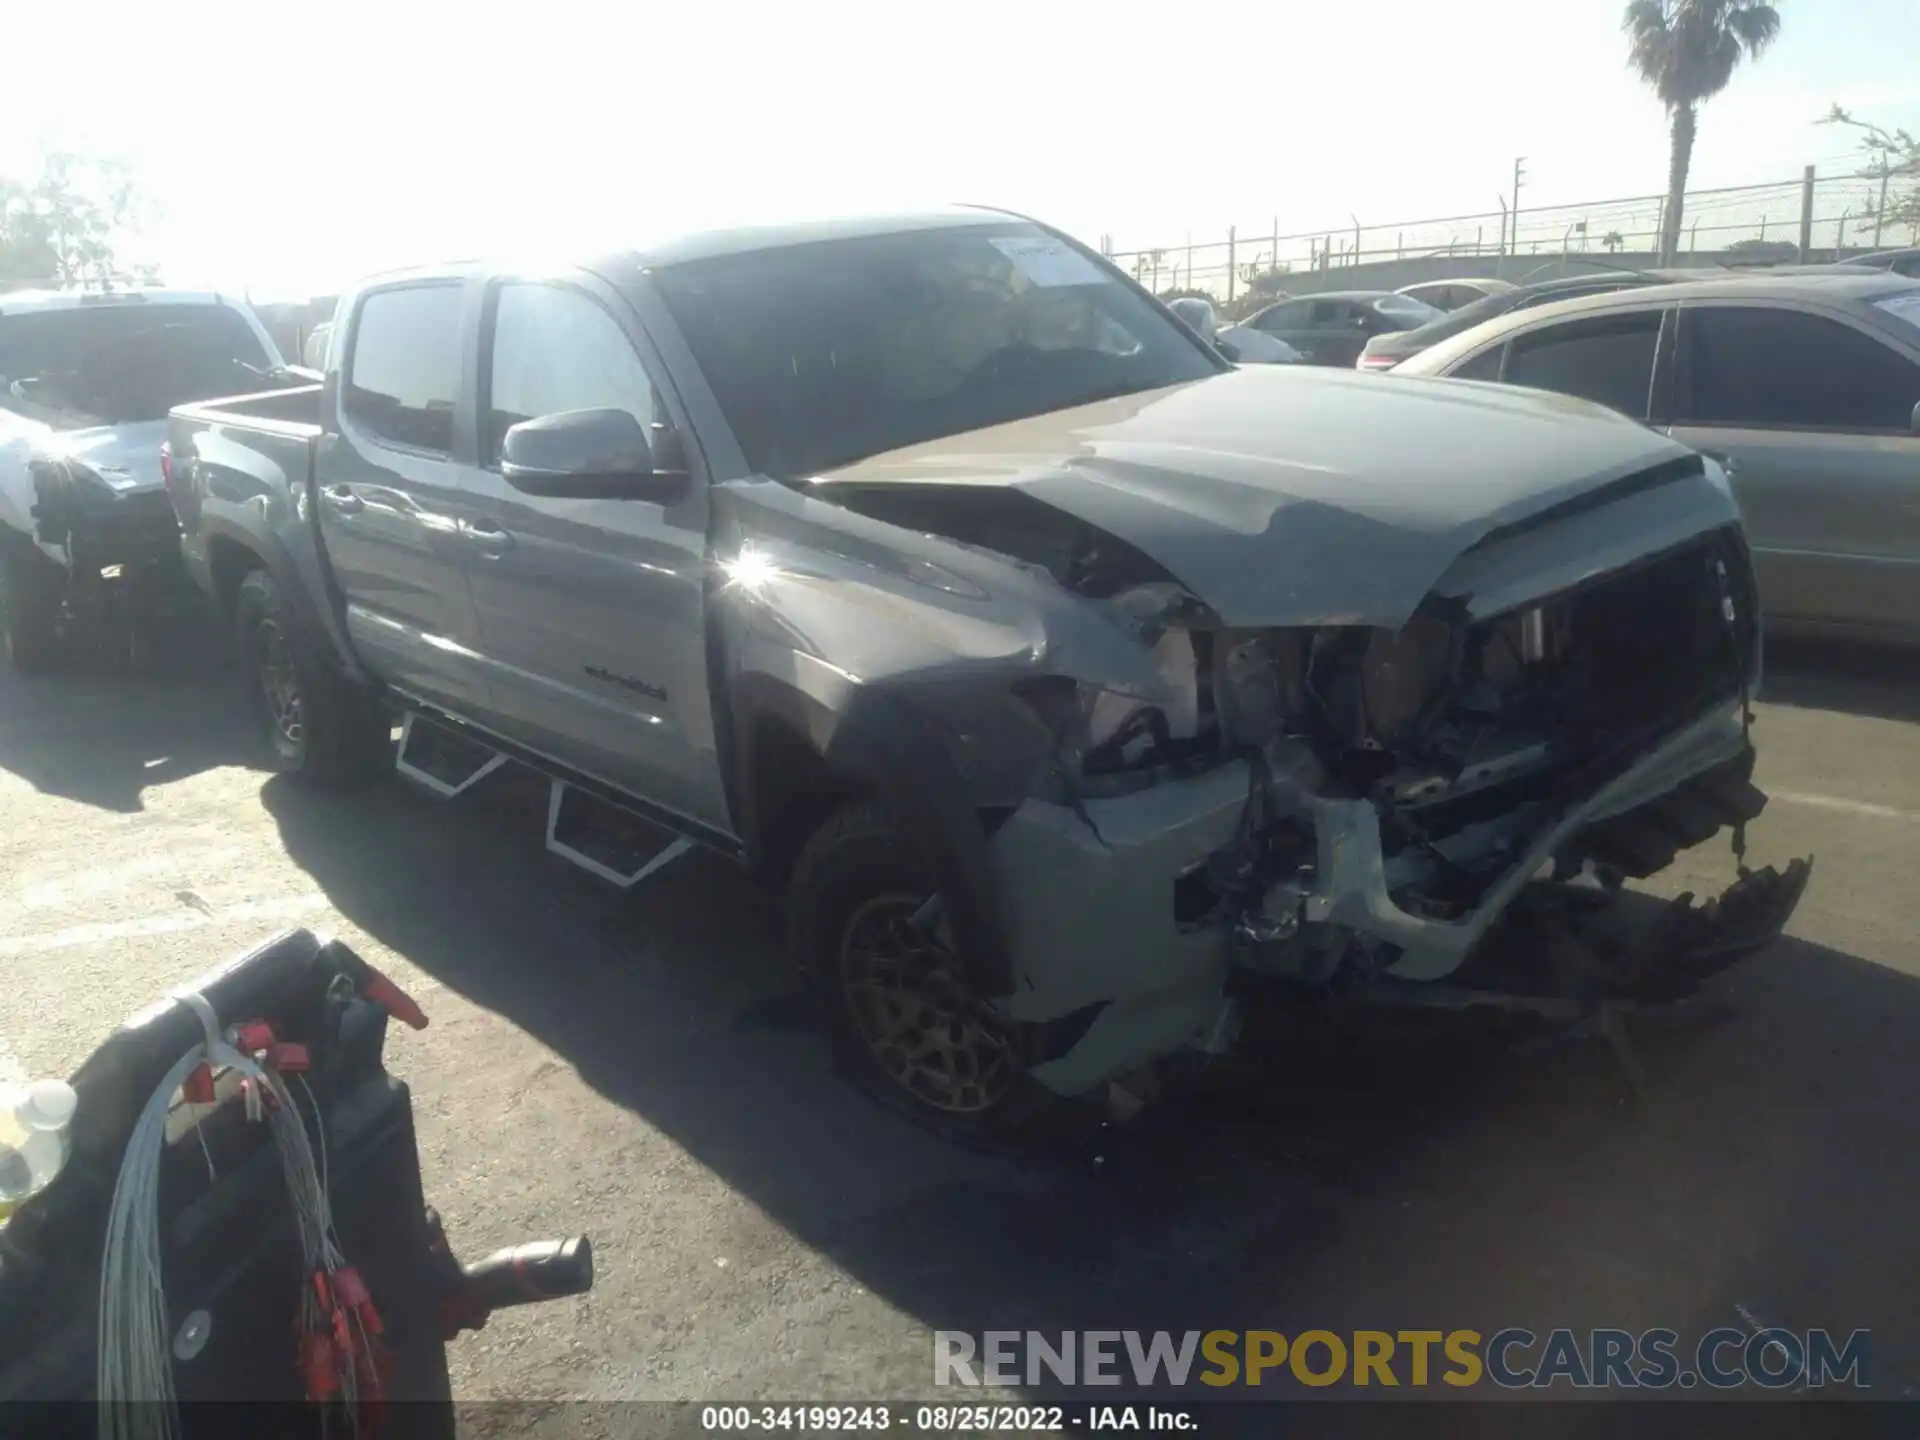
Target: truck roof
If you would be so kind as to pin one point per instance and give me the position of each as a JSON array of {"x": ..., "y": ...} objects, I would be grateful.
[
  {"x": 23, "y": 302},
  {"x": 676, "y": 247},
  {"x": 673, "y": 249}
]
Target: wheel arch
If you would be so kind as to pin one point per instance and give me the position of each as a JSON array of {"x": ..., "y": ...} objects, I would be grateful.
[{"x": 798, "y": 760}]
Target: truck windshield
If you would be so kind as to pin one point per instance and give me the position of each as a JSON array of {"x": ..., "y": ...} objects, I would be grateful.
[
  {"x": 826, "y": 353},
  {"x": 125, "y": 362}
]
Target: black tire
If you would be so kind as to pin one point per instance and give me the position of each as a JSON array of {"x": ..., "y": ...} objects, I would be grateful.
[
  {"x": 30, "y": 590},
  {"x": 857, "y": 872},
  {"x": 318, "y": 724}
]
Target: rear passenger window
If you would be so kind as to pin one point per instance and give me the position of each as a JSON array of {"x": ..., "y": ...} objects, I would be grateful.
[
  {"x": 1327, "y": 312},
  {"x": 1756, "y": 366},
  {"x": 1609, "y": 359},
  {"x": 404, "y": 374},
  {"x": 1484, "y": 366}
]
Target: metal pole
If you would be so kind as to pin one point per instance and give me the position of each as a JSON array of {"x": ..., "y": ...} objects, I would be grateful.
[
  {"x": 1502, "y": 250},
  {"x": 1233, "y": 266},
  {"x": 1806, "y": 215},
  {"x": 1518, "y": 175},
  {"x": 1880, "y": 210}
]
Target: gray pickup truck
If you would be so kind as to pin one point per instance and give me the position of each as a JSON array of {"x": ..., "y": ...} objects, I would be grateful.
[{"x": 1062, "y": 672}]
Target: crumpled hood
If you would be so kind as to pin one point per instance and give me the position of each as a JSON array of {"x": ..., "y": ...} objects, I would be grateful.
[
  {"x": 1294, "y": 496},
  {"x": 126, "y": 457}
]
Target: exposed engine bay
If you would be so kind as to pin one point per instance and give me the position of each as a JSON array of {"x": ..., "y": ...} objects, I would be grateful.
[{"x": 1465, "y": 740}]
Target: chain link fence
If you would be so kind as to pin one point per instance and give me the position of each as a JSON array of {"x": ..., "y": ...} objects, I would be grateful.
[{"x": 1834, "y": 215}]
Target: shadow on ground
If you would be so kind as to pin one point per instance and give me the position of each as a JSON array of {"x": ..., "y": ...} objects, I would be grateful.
[
  {"x": 1877, "y": 681},
  {"x": 101, "y": 733},
  {"x": 1421, "y": 1172}
]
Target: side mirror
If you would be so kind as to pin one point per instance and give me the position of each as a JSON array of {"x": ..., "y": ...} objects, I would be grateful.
[{"x": 586, "y": 455}]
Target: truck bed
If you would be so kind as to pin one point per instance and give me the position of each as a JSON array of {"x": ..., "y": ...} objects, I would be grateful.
[
  {"x": 242, "y": 471},
  {"x": 284, "y": 411}
]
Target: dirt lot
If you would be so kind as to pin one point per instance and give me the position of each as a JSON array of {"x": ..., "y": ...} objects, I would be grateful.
[{"x": 636, "y": 1066}]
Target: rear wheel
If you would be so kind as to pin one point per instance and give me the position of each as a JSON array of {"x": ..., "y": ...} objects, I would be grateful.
[
  {"x": 30, "y": 590},
  {"x": 904, "y": 1012},
  {"x": 318, "y": 723}
]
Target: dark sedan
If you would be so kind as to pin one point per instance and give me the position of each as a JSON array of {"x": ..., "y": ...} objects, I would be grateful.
[
  {"x": 1331, "y": 329},
  {"x": 1901, "y": 262}
]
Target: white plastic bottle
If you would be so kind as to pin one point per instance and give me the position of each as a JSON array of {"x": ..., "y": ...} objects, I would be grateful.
[{"x": 33, "y": 1138}]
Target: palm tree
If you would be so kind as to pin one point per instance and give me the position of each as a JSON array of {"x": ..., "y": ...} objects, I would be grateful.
[
  {"x": 1612, "y": 241},
  {"x": 1687, "y": 51}
]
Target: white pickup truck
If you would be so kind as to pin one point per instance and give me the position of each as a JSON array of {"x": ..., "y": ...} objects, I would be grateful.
[{"x": 86, "y": 380}]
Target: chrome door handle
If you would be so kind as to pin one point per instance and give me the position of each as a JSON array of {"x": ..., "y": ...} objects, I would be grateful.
[
  {"x": 342, "y": 500},
  {"x": 487, "y": 537}
]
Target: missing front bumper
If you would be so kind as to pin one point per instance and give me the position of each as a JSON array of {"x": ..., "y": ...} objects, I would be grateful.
[{"x": 1089, "y": 902}]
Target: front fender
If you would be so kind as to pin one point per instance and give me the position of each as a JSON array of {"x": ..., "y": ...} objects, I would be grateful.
[{"x": 890, "y": 751}]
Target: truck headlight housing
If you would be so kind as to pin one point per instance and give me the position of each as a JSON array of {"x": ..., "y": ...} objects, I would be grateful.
[{"x": 1104, "y": 730}]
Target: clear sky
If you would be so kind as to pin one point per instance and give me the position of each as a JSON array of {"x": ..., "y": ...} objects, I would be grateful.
[{"x": 293, "y": 146}]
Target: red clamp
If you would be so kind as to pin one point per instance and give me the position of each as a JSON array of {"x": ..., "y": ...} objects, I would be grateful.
[
  {"x": 197, "y": 1089},
  {"x": 317, "y": 1367},
  {"x": 288, "y": 1058},
  {"x": 397, "y": 1002},
  {"x": 352, "y": 1293},
  {"x": 253, "y": 1037}
]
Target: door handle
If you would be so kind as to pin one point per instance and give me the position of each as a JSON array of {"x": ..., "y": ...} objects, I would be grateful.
[
  {"x": 487, "y": 537},
  {"x": 342, "y": 500}
]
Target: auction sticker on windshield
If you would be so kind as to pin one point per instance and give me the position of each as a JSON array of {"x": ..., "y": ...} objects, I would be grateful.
[{"x": 1049, "y": 262}]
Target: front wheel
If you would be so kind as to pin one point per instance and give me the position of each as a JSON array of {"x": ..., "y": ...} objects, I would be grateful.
[
  {"x": 901, "y": 1008},
  {"x": 317, "y": 723}
]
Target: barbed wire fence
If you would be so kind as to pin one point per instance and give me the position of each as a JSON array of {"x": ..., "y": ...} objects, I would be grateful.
[{"x": 1830, "y": 216}]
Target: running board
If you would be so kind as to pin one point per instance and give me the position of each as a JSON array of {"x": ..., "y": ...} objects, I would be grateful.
[
  {"x": 605, "y": 840},
  {"x": 441, "y": 761}
]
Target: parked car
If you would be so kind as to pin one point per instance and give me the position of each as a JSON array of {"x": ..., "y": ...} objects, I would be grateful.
[
  {"x": 1808, "y": 385},
  {"x": 86, "y": 380},
  {"x": 1383, "y": 352},
  {"x": 1330, "y": 329},
  {"x": 1901, "y": 262},
  {"x": 1238, "y": 343},
  {"x": 1449, "y": 295},
  {"x": 1053, "y": 665}
]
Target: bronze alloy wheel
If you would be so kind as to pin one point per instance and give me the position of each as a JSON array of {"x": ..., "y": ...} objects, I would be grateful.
[
  {"x": 280, "y": 683},
  {"x": 914, "y": 1008}
]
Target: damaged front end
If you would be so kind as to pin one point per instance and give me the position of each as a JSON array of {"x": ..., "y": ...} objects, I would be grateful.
[
  {"x": 1388, "y": 812},
  {"x": 114, "y": 542}
]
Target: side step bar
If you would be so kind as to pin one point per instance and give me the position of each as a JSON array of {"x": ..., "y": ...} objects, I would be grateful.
[
  {"x": 601, "y": 838},
  {"x": 440, "y": 761}
]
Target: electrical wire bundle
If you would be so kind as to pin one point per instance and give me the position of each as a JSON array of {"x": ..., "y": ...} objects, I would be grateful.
[{"x": 337, "y": 1321}]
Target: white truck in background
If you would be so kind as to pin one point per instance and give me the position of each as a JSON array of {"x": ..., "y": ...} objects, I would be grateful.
[{"x": 87, "y": 532}]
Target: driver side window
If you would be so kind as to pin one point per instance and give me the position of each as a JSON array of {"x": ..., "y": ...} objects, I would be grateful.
[{"x": 556, "y": 349}]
